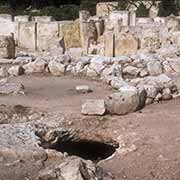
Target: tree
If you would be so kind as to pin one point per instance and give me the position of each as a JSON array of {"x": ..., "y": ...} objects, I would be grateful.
[{"x": 167, "y": 8}]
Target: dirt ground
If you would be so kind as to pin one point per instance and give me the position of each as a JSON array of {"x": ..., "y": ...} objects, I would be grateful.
[{"x": 149, "y": 139}]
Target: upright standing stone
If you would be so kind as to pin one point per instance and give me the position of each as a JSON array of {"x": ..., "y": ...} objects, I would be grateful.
[
  {"x": 88, "y": 30},
  {"x": 69, "y": 31},
  {"x": 125, "y": 44},
  {"x": 27, "y": 35},
  {"x": 109, "y": 44},
  {"x": 132, "y": 18},
  {"x": 100, "y": 27},
  {"x": 47, "y": 34}
]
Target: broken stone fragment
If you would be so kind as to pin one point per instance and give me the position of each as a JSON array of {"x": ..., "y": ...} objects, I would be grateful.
[
  {"x": 83, "y": 89},
  {"x": 38, "y": 66},
  {"x": 56, "y": 68},
  {"x": 74, "y": 169},
  {"x": 125, "y": 101},
  {"x": 3, "y": 72},
  {"x": 16, "y": 70},
  {"x": 154, "y": 68},
  {"x": 93, "y": 107}
]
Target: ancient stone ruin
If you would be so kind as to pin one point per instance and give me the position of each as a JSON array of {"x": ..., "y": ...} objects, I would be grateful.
[{"x": 138, "y": 59}]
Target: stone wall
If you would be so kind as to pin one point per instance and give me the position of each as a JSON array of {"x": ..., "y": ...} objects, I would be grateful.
[
  {"x": 39, "y": 33},
  {"x": 119, "y": 33}
]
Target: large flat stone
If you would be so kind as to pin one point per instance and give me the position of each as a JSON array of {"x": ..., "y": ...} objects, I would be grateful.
[{"x": 93, "y": 107}]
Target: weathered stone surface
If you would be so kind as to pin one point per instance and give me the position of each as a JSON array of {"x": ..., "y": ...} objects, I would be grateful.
[
  {"x": 5, "y": 18},
  {"x": 166, "y": 94},
  {"x": 109, "y": 44},
  {"x": 98, "y": 63},
  {"x": 7, "y": 88},
  {"x": 104, "y": 8},
  {"x": 123, "y": 102},
  {"x": 56, "y": 68},
  {"x": 114, "y": 70},
  {"x": 88, "y": 33},
  {"x": 154, "y": 68},
  {"x": 22, "y": 60},
  {"x": 150, "y": 41},
  {"x": 83, "y": 89},
  {"x": 3, "y": 72},
  {"x": 75, "y": 53},
  {"x": 47, "y": 34},
  {"x": 84, "y": 15},
  {"x": 27, "y": 31},
  {"x": 16, "y": 70},
  {"x": 125, "y": 44},
  {"x": 172, "y": 23},
  {"x": 24, "y": 18},
  {"x": 132, "y": 18},
  {"x": 119, "y": 16},
  {"x": 70, "y": 32},
  {"x": 42, "y": 18},
  {"x": 7, "y": 47},
  {"x": 93, "y": 107},
  {"x": 130, "y": 70},
  {"x": 151, "y": 91},
  {"x": 38, "y": 66},
  {"x": 74, "y": 169},
  {"x": 9, "y": 28}
]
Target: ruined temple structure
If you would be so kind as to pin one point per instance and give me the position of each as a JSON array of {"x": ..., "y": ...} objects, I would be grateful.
[
  {"x": 131, "y": 54},
  {"x": 109, "y": 33}
]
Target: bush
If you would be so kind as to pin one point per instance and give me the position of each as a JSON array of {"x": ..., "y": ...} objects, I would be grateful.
[
  {"x": 142, "y": 11},
  {"x": 167, "y": 8}
]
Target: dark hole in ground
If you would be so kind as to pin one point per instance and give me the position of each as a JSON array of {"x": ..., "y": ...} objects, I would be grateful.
[{"x": 90, "y": 150}]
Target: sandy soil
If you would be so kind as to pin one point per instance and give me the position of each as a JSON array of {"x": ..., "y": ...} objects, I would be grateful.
[{"x": 149, "y": 139}]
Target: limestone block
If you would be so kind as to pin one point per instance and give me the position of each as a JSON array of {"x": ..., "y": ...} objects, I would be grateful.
[
  {"x": 7, "y": 47},
  {"x": 26, "y": 35},
  {"x": 132, "y": 18},
  {"x": 47, "y": 35},
  {"x": 104, "y": 8},
  {"x": 21, "y": 18},
  {"x": 84, "y": 15},
  {"x": 42, "y": 18},
  {"x": 5, "y": 18},
  {"x": 144, "y": 20},
  {"x": 70, "y": 32},
  {"x": 88, "y": 34},
  {"x": 122, "y": 16},
  {"x": 125, "y": 44},
  {"x": 150, "y": 41},
  {"x": 100, "y": 27},
  {"x": 159, "y": 20},
  {"x": 93, "y": 107},
  {"x": 125, "y": 101},
  {"x": 109, "y": 44}
]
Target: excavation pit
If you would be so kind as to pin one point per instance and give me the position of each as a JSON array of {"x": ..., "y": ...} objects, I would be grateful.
[{"x": 89, "y": 150}]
